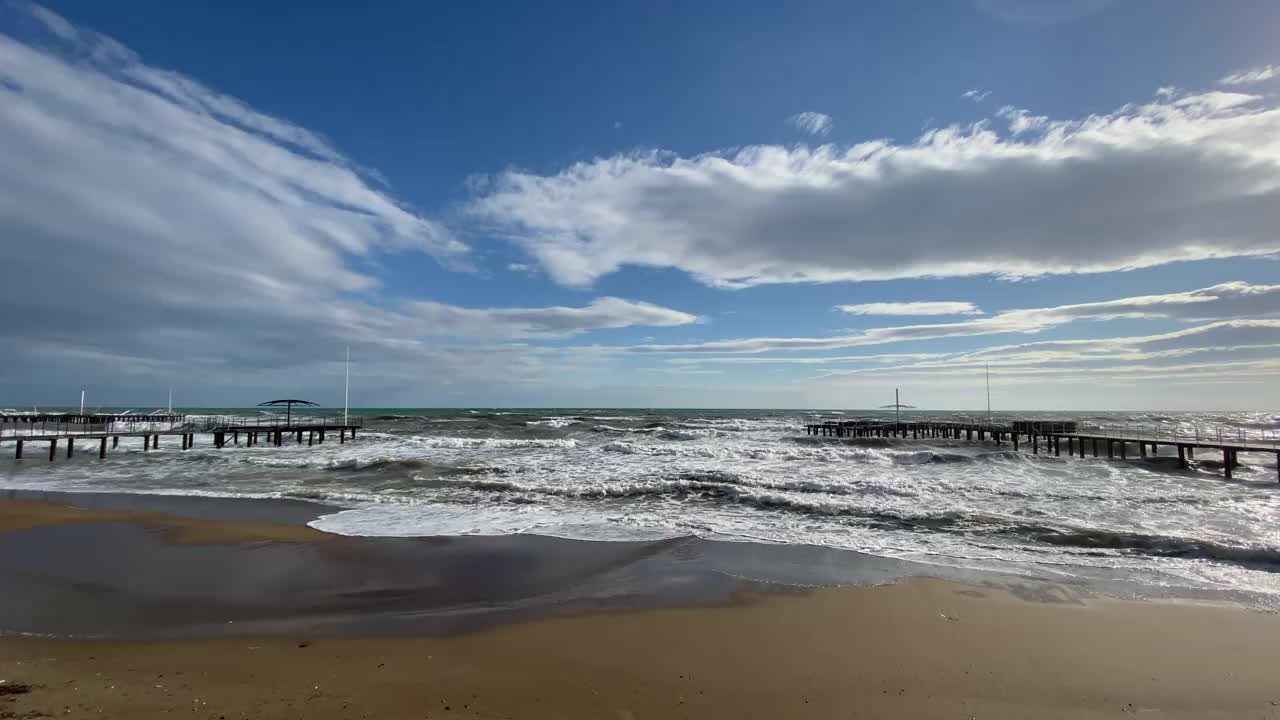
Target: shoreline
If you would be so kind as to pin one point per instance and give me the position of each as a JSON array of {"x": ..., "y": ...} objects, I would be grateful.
[{"x": 157, "y": 612}]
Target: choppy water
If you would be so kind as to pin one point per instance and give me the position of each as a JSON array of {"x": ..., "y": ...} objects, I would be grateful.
[{"x": 749, "y": 475}]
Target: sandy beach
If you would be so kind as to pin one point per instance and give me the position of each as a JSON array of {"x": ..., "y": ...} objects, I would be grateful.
[{"x": 917, "y": 647}]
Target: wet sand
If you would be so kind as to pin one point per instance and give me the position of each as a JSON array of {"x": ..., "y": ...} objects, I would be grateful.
[{"x": 651, "y": 631}]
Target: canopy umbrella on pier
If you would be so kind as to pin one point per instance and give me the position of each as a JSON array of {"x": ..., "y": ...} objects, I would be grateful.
[
  {"x": 897, "y": 407},
  {"x": 288, "y": 407}
]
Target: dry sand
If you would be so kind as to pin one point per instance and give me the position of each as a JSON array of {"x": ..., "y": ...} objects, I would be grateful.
[{"x": 916, "y": 649}]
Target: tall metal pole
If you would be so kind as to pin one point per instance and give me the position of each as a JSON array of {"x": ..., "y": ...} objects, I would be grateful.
[
  {"x": 170, "y": 399},
  {"x": 988, "y": 366},
  {"x": 81, "y": 402},
  {"x": 346, "y": 391},
  {"x": 897, "y": 408}
]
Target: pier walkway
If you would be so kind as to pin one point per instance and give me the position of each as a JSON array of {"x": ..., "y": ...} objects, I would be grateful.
[
  {"x": 1115, "y": 442},
  {"x": 66, "y": 429}
]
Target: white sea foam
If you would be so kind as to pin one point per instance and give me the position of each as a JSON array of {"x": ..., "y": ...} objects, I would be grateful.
[
  {"x": 739, "y": 477},
  {"x": 553, "y": 422}
]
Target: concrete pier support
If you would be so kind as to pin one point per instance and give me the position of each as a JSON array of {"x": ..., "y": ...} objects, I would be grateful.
[
  {"x": 1227, "y": 462},
  {"x": 53, "y": 449},
  {"x": 17, "y": 455},
  {"x": 1182, "y": 456},
  {"x": 115, "y": 441},
  {"x": 1035, "y": 443},
  {"x": 102, "y": 448},
  {"x": 71, "y": 446}
]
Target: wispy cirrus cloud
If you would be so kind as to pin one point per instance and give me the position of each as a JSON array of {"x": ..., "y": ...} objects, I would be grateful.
[
  {"x": 1232, "y": 346},
  {"x": 1252, "y": 76},
  {"x": 434, "y": 318},
  {"x": 1228, "y": 300},
  {"x": 911, "y": 308},
  {"x": 975, "y": 94},
  {"x": 813, "y": 123},
  {"x": 1181, "y": 178}
]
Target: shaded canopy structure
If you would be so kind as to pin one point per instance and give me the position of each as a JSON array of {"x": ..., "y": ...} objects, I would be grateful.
[{"x": 288, "y": 406}]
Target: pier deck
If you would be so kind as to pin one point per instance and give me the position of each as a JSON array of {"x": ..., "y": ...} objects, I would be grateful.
[
  {"x": 66, "y": 430},
  {"x": 1113, "y": 442}
]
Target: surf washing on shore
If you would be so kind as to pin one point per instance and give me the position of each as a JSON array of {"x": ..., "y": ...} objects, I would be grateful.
[{"x": 747, "y": 476}]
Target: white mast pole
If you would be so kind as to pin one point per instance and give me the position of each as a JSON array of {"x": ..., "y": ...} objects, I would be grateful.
[
  {"x": 170, "y": 399},
  {"x": 82, "y": 402},
  {"x": 897, "y": 408},
  {"x": 988, "y": 366},
  {"x": 346, "y": 392}
]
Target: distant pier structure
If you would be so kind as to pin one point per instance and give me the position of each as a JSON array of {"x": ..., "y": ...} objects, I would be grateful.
[
  {"x": 1114, "y": 442},
  {"x": 67, "y": 429}
]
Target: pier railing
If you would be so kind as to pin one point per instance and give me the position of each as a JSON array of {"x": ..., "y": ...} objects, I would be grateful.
[
  {"x": 1217, "y": 434},
  {"x": 210, "y": 423},
  {"x": 70, "y": 425},
  {"x": 1146, "y": 432}
]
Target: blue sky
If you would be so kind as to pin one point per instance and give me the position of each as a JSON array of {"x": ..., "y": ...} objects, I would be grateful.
[{"x": 662, "y": 204}]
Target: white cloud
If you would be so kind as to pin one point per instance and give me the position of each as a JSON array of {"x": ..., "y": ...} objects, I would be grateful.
[
  {"x": 1189, "y": 179},
  {"x": 433, "y": 318},
  {"x": 814, "y": 123},
  {"x": 1236, "y": 347},
  {"x": 1249, "y": 77},
  {"x": 911, "y": 308},
  {"x": 975, "y": 94},
  {"x": 154, "y": 230},
  {"x": 1234, "y": 299}
]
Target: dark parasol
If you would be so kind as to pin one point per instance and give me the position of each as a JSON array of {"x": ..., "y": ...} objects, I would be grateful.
[{"x": 288, "y": 407}]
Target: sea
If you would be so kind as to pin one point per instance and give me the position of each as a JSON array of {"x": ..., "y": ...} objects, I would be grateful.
[{"x": 749, "y": 476}]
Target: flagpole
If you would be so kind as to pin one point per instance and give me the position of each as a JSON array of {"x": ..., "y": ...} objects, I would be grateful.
[
  {"x": 346, "y": 391},
  {"x": 988, "y": 366}
]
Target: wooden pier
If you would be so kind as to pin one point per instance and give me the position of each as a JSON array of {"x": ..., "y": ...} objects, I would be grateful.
[
  {"x": 66, "y": 430},
  {"x": 1116, "y": 443}
]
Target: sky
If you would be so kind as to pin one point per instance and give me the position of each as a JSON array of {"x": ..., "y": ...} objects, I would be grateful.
[{"x": 660, "y": 204}]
